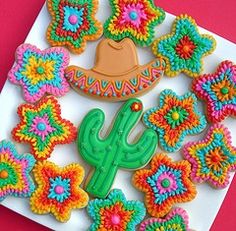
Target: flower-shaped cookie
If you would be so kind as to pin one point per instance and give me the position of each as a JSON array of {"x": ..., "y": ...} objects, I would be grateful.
[
  {"x": 177, "y": 219},
  {"x": 184, "y": 48},
  {"x": 219, "y": 91},
  {"x": 14, "y": 172},
  {"x": 212, "y": 158},
  {"x": 176, "y": 117},
  {"x": 58, "y": 190},
  {"x": 165, "y": 184},
  {"x": 73, "y": 23},
  {"x": 133, "y": 19},
  {"x": 42, "y": 127},
  {"x": 40, "y": 72},
  {"x": 115, "y": 212}
]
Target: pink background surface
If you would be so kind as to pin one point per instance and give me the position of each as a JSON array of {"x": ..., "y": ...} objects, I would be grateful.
[{"x": 15, "y": 25}]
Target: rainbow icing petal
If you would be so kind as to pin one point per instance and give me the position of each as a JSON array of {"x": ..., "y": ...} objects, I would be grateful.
[
  {"x": 176, "y": 117},
  {"x": 73, "y": 23},
  {"x": 213, "y": 157},
  {"x": 165, "y": 184},
  {"x": 184, "y": 48},
  {"x": 42, "y": 127},
  {"x": 133, "y": 19},
  {"x": 177, "y": 220},
  {"x": 115, "y": 212},
  {"x": 219, "y": 91},
  {"x": 58, "y": 190},
  {"x": 40, "y": 72},
  {"x": 15, "y": 170}
]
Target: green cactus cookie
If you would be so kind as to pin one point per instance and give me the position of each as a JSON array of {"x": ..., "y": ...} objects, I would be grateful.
[{"x": 113, "y": 152}]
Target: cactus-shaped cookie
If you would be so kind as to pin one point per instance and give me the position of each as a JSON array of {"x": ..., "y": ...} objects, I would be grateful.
[{"x": 113, "y": 152}]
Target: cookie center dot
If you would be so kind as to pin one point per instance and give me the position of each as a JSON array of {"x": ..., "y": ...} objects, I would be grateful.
[
  {"x": 165, "y": 183},
  {"x": 40, "y": 70},
  {"x": 41, "y": 126},
  {"x": 224, "y": 90},
  {"x": 3, "y": 174},
  {"x": 59, "y": 189},
  {"x": 175, "y": 115},
  {"x": 133, "y": 15},
  {"x": 115, "y": 219},
  {"x": 73, "y": 19}
]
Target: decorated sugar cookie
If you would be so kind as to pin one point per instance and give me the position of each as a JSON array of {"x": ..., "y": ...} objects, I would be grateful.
[
  {"x": 177, "y": 219},
  {"x": 73, "y": 23},
  {"x": 184, "y": 48},
  {"x": 15, "y": 170},
  {"x": 212, "y": 158},
  {"x": 58, "y": 190},
  {"x": 219, "y": 91},
  {"x": 42, "y": 127},
  {"x": 133, "y": 19},
  {"x": 107, "y": 155},
  {"x": 117, "y": 74},
  {"x": 115, "y": 212},
  {"x": 40, "y": 72},
  {"x": 165, "y": 184},
  {"x": 174, "y": 118}
]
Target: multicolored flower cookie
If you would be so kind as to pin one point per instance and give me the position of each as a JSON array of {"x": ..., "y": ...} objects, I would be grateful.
[
  {"x": 176, "y": 117},
  {"x": 115, "y": 212},
  {"x": 212, "y": 158},
  {"x": 177, "y": 220},
  {"x": 58, "y": 190},
  {"x": 40, "y": 72},
  {"x": 184, "y": 48},
  {"x": 133, "y": 19},
  {"x": 15, "y": 170},
  {"x": 165, "y": 184},
  {"x": 73, "y": 23},
  {"x": 42, "y": 127},
  {"x": 219, "y": 91}
]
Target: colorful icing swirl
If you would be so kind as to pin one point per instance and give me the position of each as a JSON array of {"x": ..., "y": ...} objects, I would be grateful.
[
  {"x": 15, "y": 170},
  {"x": 165, "y": 184},
  {"x": 184, "y": 48},
  {"x": 115, "y": 212},
  {"x": 133, "y": 19},
  {"x": 176, "y": 117},
  {"x": 212, "y": 158},
  {"x": 42, "y": 127},
  {"x": 40, "y": 72},
  {"x": 219, "y": 91},
  {"x": 58, "y": 190},
  {"x": 73, "y": 23}
]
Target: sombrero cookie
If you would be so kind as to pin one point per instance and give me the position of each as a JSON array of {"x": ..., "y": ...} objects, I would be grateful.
[
  {"x": 73, "y": 23},
  {"x": 165, "y": 184},
  {"x": 133, "y": 19},
  {"x": 115, "y": 212},
  {"x": 177, "y": 219},
  {"x": 58, "y": 190},
  {"x": 40, "y": 72},
  {"x": 42, "y": 127},
  {"x": 212, "y": 158},
  {"x": 116, "y": 74},
  {"x": 15, "y": 171},
  {"x": 184, "y": 48},
  {"x": 174, "y": 118},
  {"x": 219, "y": 91},
  {"x": 107, "y": 155}
]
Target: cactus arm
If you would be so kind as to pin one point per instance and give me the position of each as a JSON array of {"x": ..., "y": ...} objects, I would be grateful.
[
  {"x": 138, "y": 154},
  {"x": 88, "y": 141}
]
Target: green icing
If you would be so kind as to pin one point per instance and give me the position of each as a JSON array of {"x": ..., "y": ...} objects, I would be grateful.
[
  {"x": 12, "y": 175},
  {"x": 109, "y": 154},
  {"x": 224, "y": 90}
]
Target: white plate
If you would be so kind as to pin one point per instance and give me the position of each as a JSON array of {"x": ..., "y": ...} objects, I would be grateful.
[{"x": 202, "y": 210}]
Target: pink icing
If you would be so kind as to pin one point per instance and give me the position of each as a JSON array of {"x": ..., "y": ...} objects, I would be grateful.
[
  {"x": 115, "y": 219},
  {"x": 171, "y": 178},
  {"x": 73, "y": 19},
  {"x": 59, "y": 189}
]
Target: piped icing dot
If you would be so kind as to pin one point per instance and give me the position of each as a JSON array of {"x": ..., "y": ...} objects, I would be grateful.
[
  {"x": 224, "y": 90},
  {"x": 59, "y": 189},
  {"x": 115, "y": 219},
  {"x": 3, "y": 174},
  {"x": 175, "y": 115},
  {"x": 40, "y": 70},
  {"x": 165, "y": 183},
  {"x": 133, "y": 15},
  {"x": 73, "y": 19},
  {"x": 41, "y": 126},
  {"x": 136, "y": 106}
]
